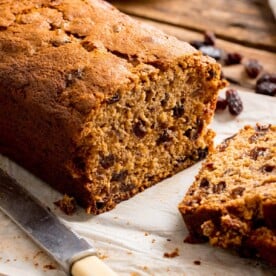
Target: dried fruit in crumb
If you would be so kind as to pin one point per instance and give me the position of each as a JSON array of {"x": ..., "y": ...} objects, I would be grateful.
[
  {"x": 204, "y": 183},
  {"x": 211, "y": 51},
  {"x": 107, "y": 161},
  {"x": 234, "y": 101},
  {"x": 219, "y": 188},
  {"x": 266, "y": 88},
  {"x": 237, "y": 192},
  {"x": 253, "y": 68},
  {"x": 209, "y": 38},
  {"x": 221, "y": 103},
  {"x": 233, "y": 58},
  {"x": 166, "y": 136},
  {"x": 178, "y": 111},
  {"x": 257, "y": 152},
  {"x": 267, "y": 168},
  {"x": 140, "y": 129},
  {"x": 115, "y": 98},
  {"x": 267, "y": 78}
]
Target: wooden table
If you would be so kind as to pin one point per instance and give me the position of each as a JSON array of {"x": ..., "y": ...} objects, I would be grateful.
[{"x": 244, "y": 26}]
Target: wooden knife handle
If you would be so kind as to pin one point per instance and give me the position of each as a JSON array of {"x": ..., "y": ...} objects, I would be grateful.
[{"x": 91, "y": 266}]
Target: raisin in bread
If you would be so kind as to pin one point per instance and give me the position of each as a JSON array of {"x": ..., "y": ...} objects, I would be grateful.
[
  {"x": 99, "y": 105},
  {"x": 232, "y": 202}
]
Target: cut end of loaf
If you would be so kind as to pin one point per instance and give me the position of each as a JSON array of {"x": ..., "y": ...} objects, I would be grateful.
[{"x": 148, "y": 131}]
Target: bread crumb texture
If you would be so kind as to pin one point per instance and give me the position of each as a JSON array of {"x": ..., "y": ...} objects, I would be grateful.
[{"x": 232, "y": 202}]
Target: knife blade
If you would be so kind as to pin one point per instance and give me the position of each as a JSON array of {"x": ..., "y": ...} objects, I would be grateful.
[{"x": 74, "y": 254}]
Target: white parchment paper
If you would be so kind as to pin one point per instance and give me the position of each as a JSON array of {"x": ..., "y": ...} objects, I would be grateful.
[{"x": 133, "y": 237}]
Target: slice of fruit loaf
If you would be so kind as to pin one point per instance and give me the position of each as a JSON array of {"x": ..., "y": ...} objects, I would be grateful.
[{"x": 232, "y": 202}]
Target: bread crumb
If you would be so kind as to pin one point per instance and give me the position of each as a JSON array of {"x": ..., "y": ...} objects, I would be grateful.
[
  {"x": 103, "y": 256},
  {"x": 37, "y": 254},
  {"x": 172, "y": 254},
  {"x": 67, "y": 204},
  {"x": 49, "y": 266},
  {"x": 196, "y": 262},
  {"x": 146, "y": 233},
  {"x": 153, "y": 241}
]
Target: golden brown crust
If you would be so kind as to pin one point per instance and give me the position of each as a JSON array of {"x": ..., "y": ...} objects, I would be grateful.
[
  {"x": 85, "y": 90},
  {"x": 233, "y": 199}
]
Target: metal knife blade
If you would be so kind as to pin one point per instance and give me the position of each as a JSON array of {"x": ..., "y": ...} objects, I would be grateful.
[{"x": 41, "y": 225}]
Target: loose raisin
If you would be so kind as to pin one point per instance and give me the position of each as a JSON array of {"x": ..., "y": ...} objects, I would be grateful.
[
  {"x": 234, "y": 101},
  {"x": 221, "y": 103},
  {"x": 266, "y": 88},
  {"x": 267, "y": 78},
  {"x": 233, "y": 58},
  {"x": 211, "y": 51},
  {"x": 209, "y": 38},
  {"x": 139, "y": 129},
  {"x": 253, "y": 68}
]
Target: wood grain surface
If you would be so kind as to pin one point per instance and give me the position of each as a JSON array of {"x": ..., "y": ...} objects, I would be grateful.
[{"x": 247, "y": 22}]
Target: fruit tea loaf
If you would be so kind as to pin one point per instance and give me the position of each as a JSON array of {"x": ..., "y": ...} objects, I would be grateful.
[
  {"x": 99, "y": 105},
  {"x": 232, "y": 202}
]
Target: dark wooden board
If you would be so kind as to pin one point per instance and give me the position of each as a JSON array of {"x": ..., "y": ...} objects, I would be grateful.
[{"x": 247, "y": 22}]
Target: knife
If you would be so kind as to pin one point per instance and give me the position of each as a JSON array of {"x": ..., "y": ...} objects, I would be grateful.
[{"x": 75, "y": 255}]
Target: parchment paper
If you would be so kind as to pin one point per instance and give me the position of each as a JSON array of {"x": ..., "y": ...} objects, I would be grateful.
[{"x": 133, "y": 238}]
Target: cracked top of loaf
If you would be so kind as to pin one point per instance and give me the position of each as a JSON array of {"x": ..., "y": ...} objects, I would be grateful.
[{"x": 87, "y": 48}]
